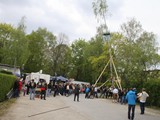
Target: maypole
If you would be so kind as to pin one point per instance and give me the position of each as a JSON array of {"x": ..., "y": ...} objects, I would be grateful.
[{"x": 100, "y": 10}]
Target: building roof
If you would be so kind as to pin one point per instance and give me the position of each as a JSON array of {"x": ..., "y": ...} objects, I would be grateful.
[{"x": 11, "y": 66}]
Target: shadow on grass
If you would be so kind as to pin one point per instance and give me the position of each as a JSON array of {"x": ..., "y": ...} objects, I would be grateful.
[{"x": 4, "y": 106}]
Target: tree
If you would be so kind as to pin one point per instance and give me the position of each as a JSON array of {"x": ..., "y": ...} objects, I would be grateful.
[
  {"x": 79, "y": 66},
  {"x": 135, "y": 52},
  {"x": 40, "y": 42},
  {"x": 100, "y": 9},
  {"x": 6, "y": 31},
  {"x": 14, "y": 51},
  {"x": 60, "y": 54},
  {"x": 131, "y": 30}
]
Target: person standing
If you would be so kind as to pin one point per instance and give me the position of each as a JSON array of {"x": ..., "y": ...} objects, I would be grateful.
[
  {"x": 28, "y": 87},
  {"x": 49, "y": 89},
  {"x": 143, "y": 97},
  {"x": 32, "y": 86},
  {"x": 123, "y": 100},
  {"x": 131, "y": 98},
  {"x": 43, "y": 89},
  {"x": 24, "y": 87},
  {"x": 16, "y": 87},
  {"x": 76, "y": 92},
  {"x": 115, "y": 95},
  {"x": 87, "y": 90},
  {"x": 20, "y": 86},
  {"x": 55, "y": 88},
  {"x": 95, "y": 92}
]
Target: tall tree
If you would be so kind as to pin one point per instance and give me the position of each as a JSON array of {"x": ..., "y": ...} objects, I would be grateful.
[
  {"x": 40, "y": 42},
  {"x": 60, "y": 56},
  {"x": 15, "y": 45},
  {"x": 79, "y": 60},
  {"x": 6, "y": 32},
  {"x": 135, "y": 52}
]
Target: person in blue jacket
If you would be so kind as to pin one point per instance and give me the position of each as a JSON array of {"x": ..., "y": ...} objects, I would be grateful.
[{"x": 131, "y": 98}]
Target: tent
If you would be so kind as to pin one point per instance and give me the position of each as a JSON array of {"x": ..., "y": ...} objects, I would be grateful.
[{"x": 37, "y": 76}]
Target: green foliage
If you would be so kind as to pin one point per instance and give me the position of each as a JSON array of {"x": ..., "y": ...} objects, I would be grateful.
[
  {"x": 6, "y": 31},
  {"x": 40, "y": 41},
  {"x": 100, "y": 9},
  {"x": 135, "y": 52},
  {"x": 6, "y": 83},
  {"x": 80, "y": 65},
  {"x": 14, "y": 45},
  {"x": 152, "y": 87}
]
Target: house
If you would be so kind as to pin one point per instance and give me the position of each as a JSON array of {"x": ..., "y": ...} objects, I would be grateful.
[{"x": 14, "y": 69}]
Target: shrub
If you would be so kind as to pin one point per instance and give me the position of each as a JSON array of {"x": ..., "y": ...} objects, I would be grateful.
[
  {"x": 152, "y": 88},
  {"x": 6, "y": 83}
]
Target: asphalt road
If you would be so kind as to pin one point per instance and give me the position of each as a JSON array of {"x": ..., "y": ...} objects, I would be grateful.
[{"x": 64, "y": 108}]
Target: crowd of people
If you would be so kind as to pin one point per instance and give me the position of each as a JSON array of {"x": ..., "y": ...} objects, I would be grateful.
[{"x": 42, "y": 89}]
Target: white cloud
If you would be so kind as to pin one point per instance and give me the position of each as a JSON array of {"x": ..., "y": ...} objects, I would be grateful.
[
  {"x": 144, "y": 11},
  {"x": 75, "y": 18}
]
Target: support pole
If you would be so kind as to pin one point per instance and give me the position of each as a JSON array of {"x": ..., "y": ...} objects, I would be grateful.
[
  {"x": 116, "y": 75},
  {"x": 101, "y": 73},
  {"x": 103, "y": 83}
]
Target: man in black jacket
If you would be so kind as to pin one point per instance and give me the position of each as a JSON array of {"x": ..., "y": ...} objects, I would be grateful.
[
  {"x": 43, "y": 89},
  {"x": 32, "y": 86},
  {"x": 15, "y": 88},
  {"x": 76, "y": 92}
]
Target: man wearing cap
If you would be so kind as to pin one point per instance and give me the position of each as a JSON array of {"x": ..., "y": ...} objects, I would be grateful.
[{"x": 131, "y": 98}]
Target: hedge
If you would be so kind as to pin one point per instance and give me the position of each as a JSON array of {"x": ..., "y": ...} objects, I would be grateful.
[
  {"x": 6, "y": 84},
  {"x": 152, "y": 88}
]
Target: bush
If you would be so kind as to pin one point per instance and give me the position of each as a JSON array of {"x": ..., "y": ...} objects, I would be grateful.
[
  {"x": 6, "y": 84},
  {"x": 152, "y": 88}
]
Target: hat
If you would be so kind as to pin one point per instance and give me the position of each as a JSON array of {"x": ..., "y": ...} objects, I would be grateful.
[{"x": 134, "y": 88}]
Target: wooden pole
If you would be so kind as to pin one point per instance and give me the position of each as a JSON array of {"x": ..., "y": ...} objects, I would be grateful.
[
  {"x": 101, "y": 73},
  {"x": 103, "y": 83},
  {"x": 116, "y": 75}
]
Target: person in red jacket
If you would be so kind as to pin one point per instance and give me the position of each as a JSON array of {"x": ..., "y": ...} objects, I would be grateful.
[
  {"x": 20, "y": 86},
  {"x": 43, "y": 89}
]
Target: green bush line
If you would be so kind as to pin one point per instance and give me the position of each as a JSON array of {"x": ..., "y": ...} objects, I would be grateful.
[
  {"x": 151, "y": 86},
  {"x": 6, "y": 84}
]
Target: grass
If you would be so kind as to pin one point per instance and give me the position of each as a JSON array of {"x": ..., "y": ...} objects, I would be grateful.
[
  {"x": 154, "y": 109},
  {"x": 4, "y": 106}
]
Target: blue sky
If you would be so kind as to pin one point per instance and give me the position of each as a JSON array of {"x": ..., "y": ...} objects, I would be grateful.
[{"x": 76, "y": 19}]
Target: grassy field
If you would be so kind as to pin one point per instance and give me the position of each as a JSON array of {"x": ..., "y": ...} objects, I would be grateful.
[{"x": 4, "y": 106}]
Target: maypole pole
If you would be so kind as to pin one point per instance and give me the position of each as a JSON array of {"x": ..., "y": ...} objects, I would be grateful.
[{"x": 100, "y": 10}]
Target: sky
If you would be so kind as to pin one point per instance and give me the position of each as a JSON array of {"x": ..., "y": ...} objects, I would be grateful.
[{"x": 75, "y": 18}]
